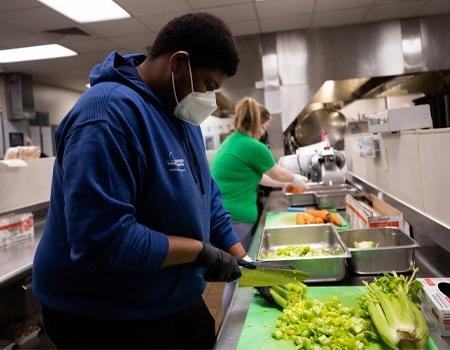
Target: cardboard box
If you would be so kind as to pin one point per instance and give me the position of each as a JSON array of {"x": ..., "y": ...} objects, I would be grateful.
[
  {"x": 369, "y": 211},
  {"x": 409, "y": 118},
  {"x": 436, "y": 304}
]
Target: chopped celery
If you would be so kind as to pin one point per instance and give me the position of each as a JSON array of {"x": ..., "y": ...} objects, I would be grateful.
[
  {"x": 311, "y": 324},
  {"x": 301, "y": 250}
]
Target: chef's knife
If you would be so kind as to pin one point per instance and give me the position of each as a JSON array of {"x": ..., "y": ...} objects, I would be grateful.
[{"x": 258, "y": 274}]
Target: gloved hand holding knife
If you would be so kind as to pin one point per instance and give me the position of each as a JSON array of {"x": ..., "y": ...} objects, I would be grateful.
[{"x": 221, "y": 266}]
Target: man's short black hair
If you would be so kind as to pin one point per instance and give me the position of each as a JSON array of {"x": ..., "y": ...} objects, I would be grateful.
[{"x": 205, "y": 37}]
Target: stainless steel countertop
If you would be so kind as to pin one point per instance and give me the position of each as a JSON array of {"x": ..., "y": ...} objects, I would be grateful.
[
  {"x": 234, "y": 318},
  {"x": 17, "y": 258}
]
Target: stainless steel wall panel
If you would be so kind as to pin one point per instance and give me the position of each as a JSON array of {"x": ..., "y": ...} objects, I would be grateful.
[
  {"x": 269, "y": 58},
  {"x": 435, "y": 35},
  {"x": 412, "y": 45},
  {"x": 250, "y": 68},
  {"x": 317, "y": 55}
]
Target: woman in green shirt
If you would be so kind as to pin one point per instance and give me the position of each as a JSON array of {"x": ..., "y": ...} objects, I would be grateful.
[{"x": 243, "y": 162}]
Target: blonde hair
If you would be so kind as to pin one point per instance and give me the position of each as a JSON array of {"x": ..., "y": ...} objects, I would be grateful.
[{"x": 249, "y": 116}]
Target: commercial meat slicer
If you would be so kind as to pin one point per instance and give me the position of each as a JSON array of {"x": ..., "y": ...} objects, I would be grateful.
[{"x": 319, "y": 162}]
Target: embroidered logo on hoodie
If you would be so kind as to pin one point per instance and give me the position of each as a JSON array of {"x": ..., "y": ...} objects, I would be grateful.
[{"x": 175, "y": 164}]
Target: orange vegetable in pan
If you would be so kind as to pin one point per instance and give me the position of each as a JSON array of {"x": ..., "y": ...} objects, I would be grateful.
[
  {"x": 318, "y": 220},
  {"x": 312, "y": 216},
  {"x": 300, "y": 219},
  {"x": 334, "y": 219},
  {"x": 318, "y": 213},
  {"x": 310, "y": 219}
]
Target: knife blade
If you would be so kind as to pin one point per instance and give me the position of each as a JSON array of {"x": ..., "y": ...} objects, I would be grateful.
[{"x": 266, "y": 275}]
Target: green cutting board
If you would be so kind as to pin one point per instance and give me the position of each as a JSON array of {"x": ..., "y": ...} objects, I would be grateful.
[
  {"x": 260, "y": 320},
  {"x": 287, "y": 218}
]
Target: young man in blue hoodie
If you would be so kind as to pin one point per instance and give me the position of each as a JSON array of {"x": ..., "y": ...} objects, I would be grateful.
[{"x": 136, "y": 224}]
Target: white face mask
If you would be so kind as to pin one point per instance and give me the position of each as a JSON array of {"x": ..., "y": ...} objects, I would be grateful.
[{"x": 196, "y": 106}]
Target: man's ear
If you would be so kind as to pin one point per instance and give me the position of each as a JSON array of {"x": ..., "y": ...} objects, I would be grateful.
[{"x": 178, "y": 60}]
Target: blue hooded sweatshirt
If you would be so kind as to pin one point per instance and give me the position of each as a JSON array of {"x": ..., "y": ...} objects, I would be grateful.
[{"x": 127, "y": 174}]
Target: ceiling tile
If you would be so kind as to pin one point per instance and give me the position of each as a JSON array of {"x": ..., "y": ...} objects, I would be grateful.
[
  {"x": 20, "y": 39},
  {"x": 285, "y": 23},
  {"x": 37, "y": 19},
  {"x": 337, "y": 18},
  {"x": 10, "y": 5},
  {"x": 198, "y": 4},
  {"x": 121, "y": 27},
  {"x": 397, "y": 10},
  {"x": 436, "y": 7},
  {"x": 235, "y": 13},
  {"x": 144, "y": 7},
  {"x": 278, "y": 8},
  {"x": 87, "y": 45},
  {"x": 329, "y": 5},
  {"x": 156, "y": 22},
  {"x": 87, "y": 61},
  {"x": 136, "y": 43},
  {"x": 244, "y": 28}
]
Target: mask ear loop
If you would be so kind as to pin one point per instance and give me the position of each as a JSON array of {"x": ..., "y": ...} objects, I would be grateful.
[
  {"x": 190, "y": 76},
  {"x": 173, "y": 87}
]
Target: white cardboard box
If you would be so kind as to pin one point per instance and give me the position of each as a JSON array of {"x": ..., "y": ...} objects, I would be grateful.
[
  {"x": 362, "y": 215},
  {"x": 391, "y": 120},
  {"x": 436, "y": 304}
]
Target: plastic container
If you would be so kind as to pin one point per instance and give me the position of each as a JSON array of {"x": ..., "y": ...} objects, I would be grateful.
[{"x": 16, "y": 227}]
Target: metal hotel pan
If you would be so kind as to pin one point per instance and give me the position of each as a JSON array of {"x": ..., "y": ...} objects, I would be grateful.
[
  {"x": 333, "y": 198},
  {"x": 320, "y": 268},
  {"x": 323, "y": 196},
  {"x": 395, "y": 251}
]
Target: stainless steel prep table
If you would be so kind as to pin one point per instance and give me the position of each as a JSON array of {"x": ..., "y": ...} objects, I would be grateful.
[{"x": 234, "y": 318}]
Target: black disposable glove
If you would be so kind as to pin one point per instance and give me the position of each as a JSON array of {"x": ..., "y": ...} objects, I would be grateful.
[{"x": 219, "y": 265}]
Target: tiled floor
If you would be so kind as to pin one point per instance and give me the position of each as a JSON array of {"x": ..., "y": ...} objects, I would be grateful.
[{"x": 213, "y": 299}]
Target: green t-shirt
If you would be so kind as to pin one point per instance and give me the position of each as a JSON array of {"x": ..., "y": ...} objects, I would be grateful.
[{"x": 237, "y": 168}]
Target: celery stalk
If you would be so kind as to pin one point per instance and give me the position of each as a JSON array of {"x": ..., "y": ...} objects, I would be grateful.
[
  {"x": 278, "y": 298},
  {"x": 390, "y": 304}
]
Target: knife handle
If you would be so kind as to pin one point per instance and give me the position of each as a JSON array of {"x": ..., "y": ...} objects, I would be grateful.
[{"x": 247, "y": 264}]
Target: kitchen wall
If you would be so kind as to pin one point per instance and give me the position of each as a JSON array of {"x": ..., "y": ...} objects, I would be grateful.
[
  {"x": 23, "y": 187},
  {"x": 54, "y": 100},
  {"x": 412, "y": 166}
]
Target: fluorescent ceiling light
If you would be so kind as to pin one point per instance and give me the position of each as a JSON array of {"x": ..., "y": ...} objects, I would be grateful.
[
  {"x": 31, "y": 53},
  {"x": 85, "y": 11}
]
